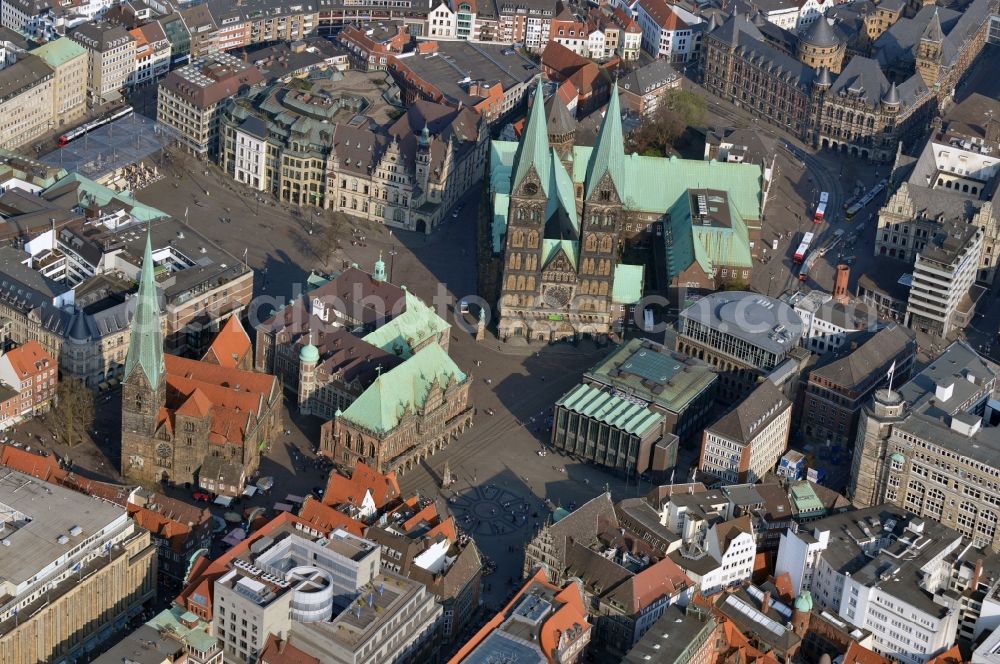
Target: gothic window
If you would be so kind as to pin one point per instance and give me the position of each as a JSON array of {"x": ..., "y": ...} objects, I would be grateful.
[
  {"x": 520, "y": 214},
  {"x": 510, "y": 282},
  {"x": 590, "y": 244},
  {"x": 605, "y": 244},
  {"x": 517, "y": 261},
  {"x": 604, "y": 288},
  {"x": 595, "y": 219},
  {"x": 371, "y": 450},
  {"x": 531, "y": 283},
  {"x": 604, "y": 195},
  {"x": 533, "y": 239},
  {"x": 138, "y": 403},
  {"x": 518, "y": 238},
  {"x": 520, "y": 283}
]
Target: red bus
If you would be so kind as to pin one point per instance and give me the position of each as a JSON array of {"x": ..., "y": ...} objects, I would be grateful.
[{"x": 800, "y": 253}]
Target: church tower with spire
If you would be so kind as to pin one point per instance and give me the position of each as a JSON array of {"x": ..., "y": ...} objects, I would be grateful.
[
  {"x": 603, "y": 208},
  {"x": 929, "y": 50},
  {"x": 144, "y": 380},
  {"x": 529, "y": 194}
]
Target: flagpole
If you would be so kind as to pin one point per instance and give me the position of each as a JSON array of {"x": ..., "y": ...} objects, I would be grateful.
[{"x": 892, "y": 374}]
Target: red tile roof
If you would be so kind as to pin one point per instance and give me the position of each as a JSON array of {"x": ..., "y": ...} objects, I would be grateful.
[
  {"x": 280, "y": 651},
  {"x": 232, "y": 396},
  {"x": 28, "y": 359},
  {"x": 858, "y": 654},
  {"x": 661, "y": 579},
  {"x": 663, "y": 15},
  {"x": 341, "y": 489},
  {"x": 572, "y": 613},
  {"x": 230, "y": 346},
  {"x": 325, "y": 517}
]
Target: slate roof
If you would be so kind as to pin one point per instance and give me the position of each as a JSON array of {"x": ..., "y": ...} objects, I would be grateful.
[
  {"x": 821, "y": 33},
  {"x": 649, "y": 77},
  {"x": 751, "y": 415},
  {"x": 862, "y": 76},
  {"x": 873, "y": 355}
]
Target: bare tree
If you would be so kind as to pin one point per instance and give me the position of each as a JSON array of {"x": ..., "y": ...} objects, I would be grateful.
[{"x": 73, "y": 416}]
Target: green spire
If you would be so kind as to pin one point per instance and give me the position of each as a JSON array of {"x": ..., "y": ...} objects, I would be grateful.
[
  {"x": 608, "y": 155},
  {"x": 534, "y": 147},
  {"x": 145, "y": 349}
]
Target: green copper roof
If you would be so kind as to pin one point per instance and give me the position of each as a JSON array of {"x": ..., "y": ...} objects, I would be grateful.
[
  {"x": 551, "y": 249},
  {"x": 711, "y": 246},
  {"x": 407, "y": 386},
  {"x": 414, "y": 326},
  {"x": 89, "y": 190},
  {"x": 534, "y": 146},
  {"x": 613, "y": 410},
  {"x": 175, "y": 620},
  {"x": 561, "y": 192},
  {"x": 805, "y": 498},
  {"x": 628, "y": 284},
  {"x": 609, "y": 151},
  {"x": 804, "y": 602},
  {"x": 309, "y": 353},
  {"x": 145, "y": 350},
  {"x": 897, "y": 457},
  {"x": 60, "y": 51},
  {"x": 649, "y": 184},
  {"x": 654, "y": 373}
]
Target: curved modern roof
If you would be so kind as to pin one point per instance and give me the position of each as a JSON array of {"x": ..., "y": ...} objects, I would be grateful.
[{"x": 763, "y": 321}]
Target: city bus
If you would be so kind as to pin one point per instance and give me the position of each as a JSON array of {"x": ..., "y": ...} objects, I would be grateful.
[
  {"x": 824, "y": 199},
  {"x": 800, "y": 253}
]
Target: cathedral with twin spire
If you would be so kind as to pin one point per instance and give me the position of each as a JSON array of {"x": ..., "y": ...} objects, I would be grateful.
[
  {"x": 579, "y": 235},
  {"x": 562, "y": 251}
]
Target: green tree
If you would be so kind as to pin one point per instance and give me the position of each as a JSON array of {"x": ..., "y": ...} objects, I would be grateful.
[
  {"x": 690, "y": 107},
  {"x": 73, "y": 415}
]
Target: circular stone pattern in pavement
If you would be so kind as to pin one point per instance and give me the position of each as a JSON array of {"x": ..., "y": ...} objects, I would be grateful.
[{"x": 490, "y": 510}]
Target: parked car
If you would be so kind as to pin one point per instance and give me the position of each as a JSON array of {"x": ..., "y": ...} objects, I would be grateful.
[{"x": 202, "y": 496}]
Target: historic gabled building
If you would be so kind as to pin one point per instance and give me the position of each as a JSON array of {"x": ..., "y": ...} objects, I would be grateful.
[
  {"x": 563, "y": 217},
  {"x": 180, "y": 416}
]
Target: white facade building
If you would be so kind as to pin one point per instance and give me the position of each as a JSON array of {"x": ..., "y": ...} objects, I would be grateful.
[
  {"x": 746, "y": 443},
  {"x": 793, "y": 15},
  {"x": 883, "y": 570},
  {"x": 943, "y": 275}
]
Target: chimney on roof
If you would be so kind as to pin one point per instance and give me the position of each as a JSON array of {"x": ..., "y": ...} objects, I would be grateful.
[
  {"x": 281, "y": 645},
  {"x": 977, "y": 575},
  {"x": 840, "y": 293},
  {"x": 765, "y": 602}
]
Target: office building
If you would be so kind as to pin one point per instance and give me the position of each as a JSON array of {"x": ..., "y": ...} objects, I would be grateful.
[
  {"x": 189, "y": 99},
  {"x": 26, "y": 101},
  {"x": 930, "y": 446},
  {"x": 884, "y": 570},
  {"x": 325, "y": 593},
  {"x": 743, "y": 335},
  {"x": 942, "y": 295},
  {"x": 111, "y": 54},
  {"x": 746, "y": 443},
  {"x": 71, "y": 64},
  {"x": 844, "y": 381},
  {"x": 633, "y": 407},
  {"x": 71, "y": 566}
]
